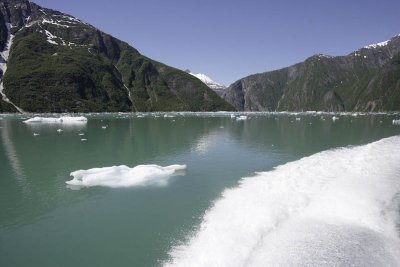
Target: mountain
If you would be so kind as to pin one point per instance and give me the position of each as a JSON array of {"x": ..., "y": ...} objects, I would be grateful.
[
  {"x": 365, "y": 80},
  {"x": 54, "y": 62},
  {"x": 218, "y": 88}
]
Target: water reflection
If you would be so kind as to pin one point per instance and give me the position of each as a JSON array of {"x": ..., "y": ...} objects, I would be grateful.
[{"x": 12, "y": 156}]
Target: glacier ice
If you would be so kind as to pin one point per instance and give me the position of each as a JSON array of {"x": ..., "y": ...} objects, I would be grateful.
[{"x": 124, "y": 176}]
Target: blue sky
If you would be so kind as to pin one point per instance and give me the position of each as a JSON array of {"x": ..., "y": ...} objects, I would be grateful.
[{"x": 230, "y": 39}]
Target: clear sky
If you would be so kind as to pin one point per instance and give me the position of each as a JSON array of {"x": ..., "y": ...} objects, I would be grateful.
[{"x": 230, "y": 39}]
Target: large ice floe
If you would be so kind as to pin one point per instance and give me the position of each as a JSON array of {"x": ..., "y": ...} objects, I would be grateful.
[
  {"x": 60, "y": 120},
  {"x": 124, "y": 176},
  {"x": 335, "y": 208}
]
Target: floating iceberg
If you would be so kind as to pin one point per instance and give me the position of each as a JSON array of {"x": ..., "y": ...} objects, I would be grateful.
[
  {"x": 124, "y": 176},
  {"x": 334, "y": 208},
  {"x": 60, "y": 120},
  {"x": 241, "y": 118}
]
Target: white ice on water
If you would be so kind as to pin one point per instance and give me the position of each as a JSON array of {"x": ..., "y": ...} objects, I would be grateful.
[
  {"x": 335, "y": 208},
  {"x": 60, "y": 120},
  {"x": 124, "y": 176},
  {"x": 396, "y": 122},
  {"x": 241, "y": 118}
]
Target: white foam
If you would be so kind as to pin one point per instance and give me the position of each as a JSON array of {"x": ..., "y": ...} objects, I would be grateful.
[
  {"x": 60, "y": 120},
  {"x": 124, "y": 176},
  {"x": 334, "y": 208}
]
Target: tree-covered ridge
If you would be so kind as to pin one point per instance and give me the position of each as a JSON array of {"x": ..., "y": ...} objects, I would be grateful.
[
  {"x": 365, "y": 80},
  {"x": 58, "y": 63}
]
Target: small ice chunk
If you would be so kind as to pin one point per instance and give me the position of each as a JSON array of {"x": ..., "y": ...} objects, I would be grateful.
[
  {"x": 64, "y": 120},
  {"x": 104, "y": 127},
  {"x": 124, "y": 176},
  {"x": 396, "y": 122},
  {"x": 334, "y": 118},
  {"x": 241, "y": 118},
  {"x": 35, "y": 134},
  {"x": 83, "y": 139},
  {"x": 59, "y": 130},
  {"x": 297, "y": 119},
  {"x": 81, "y": 134}
]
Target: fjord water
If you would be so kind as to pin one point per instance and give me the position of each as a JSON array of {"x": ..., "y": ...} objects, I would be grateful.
[{"x": 44, "y": 222}]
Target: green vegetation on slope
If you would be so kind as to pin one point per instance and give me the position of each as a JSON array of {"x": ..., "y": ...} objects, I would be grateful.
[
  {"x": 59, "y": 64},
  {"x": 365, "y": 80}
]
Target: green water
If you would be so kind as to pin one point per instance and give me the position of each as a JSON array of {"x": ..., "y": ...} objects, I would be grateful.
[{"x": 44, "y": 223}]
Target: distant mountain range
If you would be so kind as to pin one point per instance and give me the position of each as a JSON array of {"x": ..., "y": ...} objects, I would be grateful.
[
  {"x": 54, "y": 62},
  {"x": 365, "y": 80}
]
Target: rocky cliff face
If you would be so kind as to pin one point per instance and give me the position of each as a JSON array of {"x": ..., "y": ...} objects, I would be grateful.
[
  {"x": 53, "y": 62},
  {"x": 365, "y": 80}
]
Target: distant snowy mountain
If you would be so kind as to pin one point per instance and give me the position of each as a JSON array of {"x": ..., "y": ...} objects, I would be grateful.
[{"x": 217, "y": 87}]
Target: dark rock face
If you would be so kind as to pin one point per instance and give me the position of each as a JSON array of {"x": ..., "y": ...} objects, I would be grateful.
[
  {"x": 58, "y": 63},
  {"x": 365, "y": 80}
]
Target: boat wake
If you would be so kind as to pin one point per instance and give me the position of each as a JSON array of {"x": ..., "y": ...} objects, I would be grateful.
[{"x": 336, "y": 208}]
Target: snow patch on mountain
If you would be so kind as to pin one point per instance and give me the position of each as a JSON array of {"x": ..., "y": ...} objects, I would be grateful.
[
  {"x": 381, "y": 44},
  {"x": 3, "y": 66},
  {"x": 208, "y": 81}
]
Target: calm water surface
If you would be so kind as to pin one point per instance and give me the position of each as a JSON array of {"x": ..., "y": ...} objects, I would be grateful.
[{"x": 45, "y": 223}]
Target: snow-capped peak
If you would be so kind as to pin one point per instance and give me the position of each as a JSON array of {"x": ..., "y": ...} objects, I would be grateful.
[
  {"x": 381, "y": 44},
  {"x": 208, "y": 81}
]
